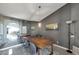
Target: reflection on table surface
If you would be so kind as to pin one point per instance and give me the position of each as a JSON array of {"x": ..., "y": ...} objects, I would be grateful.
[{"x": 40, "y": 42}]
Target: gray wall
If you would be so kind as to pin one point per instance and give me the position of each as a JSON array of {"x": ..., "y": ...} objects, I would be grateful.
[
  {"x": 60, "y": 17},
  {"x": 30, "y": 24},
  {"x": 75, "y": 27},
  {"x": 25, "y": 23},
  {"x": 67, "y": 12}
]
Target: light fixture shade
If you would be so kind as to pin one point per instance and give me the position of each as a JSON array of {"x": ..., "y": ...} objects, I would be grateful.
[
  {"x": 69, "y": 22},
  {"x": 72, "y": 36}
]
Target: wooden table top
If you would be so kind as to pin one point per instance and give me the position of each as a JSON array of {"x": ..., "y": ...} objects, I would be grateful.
[{"x": 40, "y": 42}]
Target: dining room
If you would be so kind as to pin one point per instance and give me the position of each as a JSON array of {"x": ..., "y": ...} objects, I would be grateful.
[{"x": 39, "y": 29}]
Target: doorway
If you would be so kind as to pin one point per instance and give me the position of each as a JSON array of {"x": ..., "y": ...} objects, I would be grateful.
[{"x": 11, "y": 32}]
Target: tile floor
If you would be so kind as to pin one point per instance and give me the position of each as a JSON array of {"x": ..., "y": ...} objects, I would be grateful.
[{"x": 21, "y": 50}]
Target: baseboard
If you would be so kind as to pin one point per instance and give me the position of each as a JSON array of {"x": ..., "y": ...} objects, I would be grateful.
[
  {"x": 11, "y": 47},
  {"x": 75, "y": 49},
  {"x": 60, "y": 47}
]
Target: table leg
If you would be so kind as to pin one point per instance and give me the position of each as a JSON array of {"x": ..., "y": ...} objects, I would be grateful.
[
  {"x": 38, "y": 50},
  {"x": 51, "y": 50}
]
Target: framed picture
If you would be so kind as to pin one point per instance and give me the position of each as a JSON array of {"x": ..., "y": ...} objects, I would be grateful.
[{"x": 53, "y": 26}]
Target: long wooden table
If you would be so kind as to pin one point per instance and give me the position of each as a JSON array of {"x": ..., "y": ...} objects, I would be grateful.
[{"x": 41, "y": 42}]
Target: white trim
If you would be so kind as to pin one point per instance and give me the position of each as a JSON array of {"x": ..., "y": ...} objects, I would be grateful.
[
  {"x": 23, "y": 43},
  {"x": 60, "y": 46},
  {"x": 11, "y": 47}
]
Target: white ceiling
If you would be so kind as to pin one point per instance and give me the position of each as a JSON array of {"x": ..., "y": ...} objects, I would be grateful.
[{"x": 28, "y": 11}]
